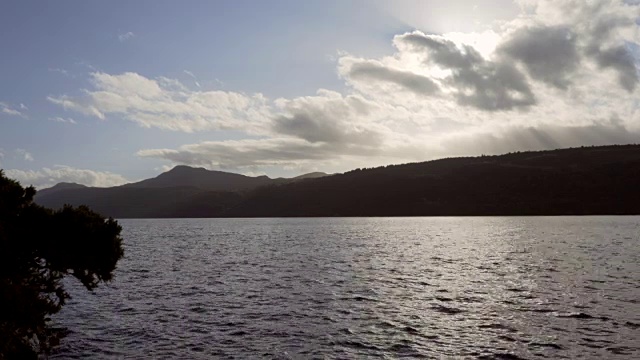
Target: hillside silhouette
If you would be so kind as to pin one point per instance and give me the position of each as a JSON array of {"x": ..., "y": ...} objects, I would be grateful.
[
  {"x": 209, "y": 180},
  {"x": 180, "y": 192},
  {"x": 577, "y": 181}
]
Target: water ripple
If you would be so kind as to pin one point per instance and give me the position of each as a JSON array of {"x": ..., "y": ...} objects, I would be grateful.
[{"x": 485, "y": 288}]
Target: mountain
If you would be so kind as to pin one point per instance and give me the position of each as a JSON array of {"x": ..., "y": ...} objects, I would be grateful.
[
  {"x": 312, "y": 175},
  {"x": 180, "y": 192},
  {"x": 58, "y": 187},
  {"x": 598, "y": 180},
  {"x": 210, "y": 180},
  {"x": 580, "y": 181}
]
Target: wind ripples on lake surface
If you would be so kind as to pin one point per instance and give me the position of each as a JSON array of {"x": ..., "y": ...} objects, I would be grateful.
[{"x": 488, "y": 288}]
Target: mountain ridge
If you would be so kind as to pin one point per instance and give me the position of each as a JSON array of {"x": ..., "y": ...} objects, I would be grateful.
[
  {"x": 210, "y": 180},
  {"x": 579, "y": 181}
]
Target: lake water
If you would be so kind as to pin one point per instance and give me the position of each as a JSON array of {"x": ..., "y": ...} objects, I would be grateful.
[{"x": 489, "y": 288}]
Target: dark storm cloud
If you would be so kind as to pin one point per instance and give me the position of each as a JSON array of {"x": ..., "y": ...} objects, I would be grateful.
[
  {"x": 602, "y": 29},
  {"x": 328, "y": 119},
  {"x": 317, "y": 127},
  {"x": 444, "y": 52},
  {"x": 493, "y": 86},
  {"x": 371, "y": 71},
  {"x": 552, "y": 54},
  {"x": 621, "y": 60},
  {"x": 549, "y": 54},
  {"x": 483, "y": 84},
  {"x": 602, "y": 25}
]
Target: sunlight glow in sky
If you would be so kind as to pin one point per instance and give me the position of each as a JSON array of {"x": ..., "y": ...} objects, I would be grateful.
[{"x": 106, "y": 93}]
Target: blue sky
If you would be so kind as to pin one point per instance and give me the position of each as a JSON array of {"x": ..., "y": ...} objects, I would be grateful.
[{"x": 107, "y": 92}]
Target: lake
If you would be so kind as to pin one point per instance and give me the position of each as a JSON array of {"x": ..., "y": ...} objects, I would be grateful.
[{"x": 477, "y": 287}]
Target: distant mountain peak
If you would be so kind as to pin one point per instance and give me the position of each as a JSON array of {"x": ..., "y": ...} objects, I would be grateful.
[
  {"x": 311, "y": 175},
  {"x": 199, "y": 177},
  {"x": 183, "y": 168},
  {"x": 61, "y": 187},
  {"x": 67, "y": 185}
]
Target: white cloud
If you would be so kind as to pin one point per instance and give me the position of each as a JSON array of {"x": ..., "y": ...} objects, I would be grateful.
[
  {"x": 61, "y": 71},
  {"x": 125, "y": 36},
  {"x": 63, "y": 120},
  {"x": 321, "y": 131},
  {"x": 563, "y": 73},
  {"x": 166, "y": 103},
  {"x": 9, "y": 110},
  {"x": 195, "y": 80},
  {"x": 24, "y": 154},
  {"x": 328, "y": 117},
  {"x": 86, "y": 64},
  {"x": 48, "y": 177}
]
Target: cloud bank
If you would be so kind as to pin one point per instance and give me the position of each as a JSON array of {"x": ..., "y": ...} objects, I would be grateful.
[
  {"x": 47, "y": 177},
  {"x": 563, "y": 73},
  {"x": 164, "y": 103}
]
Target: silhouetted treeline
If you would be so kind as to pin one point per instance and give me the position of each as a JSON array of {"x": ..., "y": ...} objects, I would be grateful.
[
  {"x": 38, "y": 248},
  {"x": 579, "y": 181}
]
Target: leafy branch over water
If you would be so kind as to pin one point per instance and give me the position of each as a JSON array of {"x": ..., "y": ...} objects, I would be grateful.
[{"x": 38, "y": 248}]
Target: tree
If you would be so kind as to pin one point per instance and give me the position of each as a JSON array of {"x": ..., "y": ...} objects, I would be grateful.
[{"x": 38, "y": 248}]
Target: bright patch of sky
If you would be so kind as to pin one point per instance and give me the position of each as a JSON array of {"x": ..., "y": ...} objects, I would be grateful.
[{"x": 105, "y": 93}]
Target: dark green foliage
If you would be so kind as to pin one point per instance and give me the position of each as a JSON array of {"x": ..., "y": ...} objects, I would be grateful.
[{"x": 38, "y": 247}]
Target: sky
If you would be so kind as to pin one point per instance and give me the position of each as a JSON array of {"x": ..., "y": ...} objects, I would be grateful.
[{"x": 105, "y": 93}]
